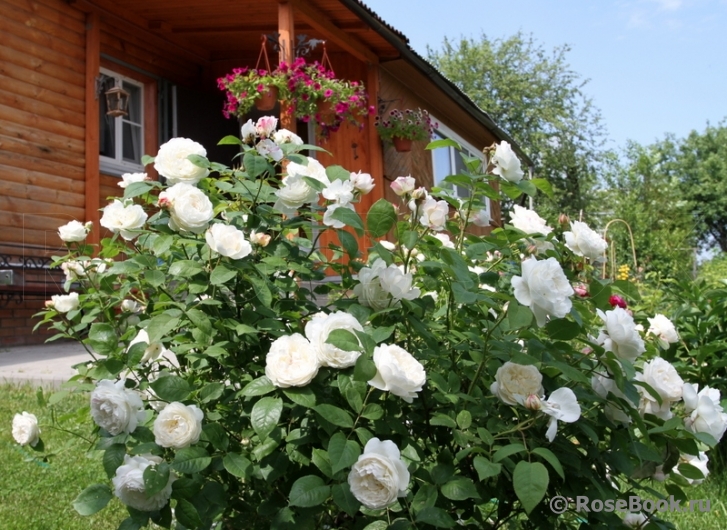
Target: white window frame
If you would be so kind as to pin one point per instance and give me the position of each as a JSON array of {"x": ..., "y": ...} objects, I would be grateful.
[
  {"x": 453, "y": 155},
  {"x": 117, "y": 165}
]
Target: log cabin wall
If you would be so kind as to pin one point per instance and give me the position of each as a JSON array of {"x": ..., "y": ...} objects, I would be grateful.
[{"x": 42, "y": 128}]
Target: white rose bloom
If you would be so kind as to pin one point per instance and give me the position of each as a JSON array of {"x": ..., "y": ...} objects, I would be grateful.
[
  {"x": 260, "y": 238},
  {"x": 403, "y": 185},
  {"x": 116, "y": 408},
  {"x": 153, "y": 351},
  {"x": 660, "y": 375},
  {"x": 320, "y": 327},
  {"x": 313, "y": 169},
  {"x": 228, "y": 241},
  {"x": 635, "y": 520},
  {"x": 705, "y": 412},
  {"x": 515, "y": 382},
  {"x": 130, "y": 178},
  {"x": 266, "y": 125},
  {"x": 544, "y": 288},
  {"x": 619, "y": 334},
  {"x": 129, "y": 484},
  {"x": 331, "y": 221},
  {"x": 267, "y": 147},
  {"x": 585, "y": 242},
  {"x": 480, "y": 218},
  {"x": 663, "y": 329},
  {"x": 445, "y": 240},
  {"x": 394, "y": 281},
  {"x": 379, "y": 476},
  {"x": 73, "y": 270},
  {"x": 63, "y": 303},
  {"x": 172, "y": 163},
  {"x": 178, "y": 425},
  {"x": 295, "y": 193},
  {"x": 123, "y": 219},
  {"x": 700, "y": 462},
  {"x": 131, "y": 306},
  {"x": 25, "y": 429},
  {"x": 248, "y": 132},
  {"x": 362, "y": 182},
  {"x": 398, "y": 372},
  {"x": 73, "y": 232},
  {"x": 528, "y": 221},
  {"x": 434, "y": 213},
  {"x": 561, "y": 405},
  {"x": 284, "y": 136},
  {"x": 369, "y": 290},
  {"x": 602, "y": 385},
  {"x": 291, "y": 361},
  {"x": 190, "y": 209},
  {"x": 506, "y": 163},
  {"x": 339, "y": 191}
]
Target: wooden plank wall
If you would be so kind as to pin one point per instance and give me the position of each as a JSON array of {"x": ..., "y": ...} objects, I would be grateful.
[{"x": 42, "y": 68}]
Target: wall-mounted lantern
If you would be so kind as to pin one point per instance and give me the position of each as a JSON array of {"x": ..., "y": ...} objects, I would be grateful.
[{"x": 117, "y": 102}]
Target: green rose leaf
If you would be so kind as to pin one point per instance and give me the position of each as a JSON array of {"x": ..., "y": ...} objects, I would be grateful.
[
  {"x": 102, "y": 338},
  {"x": 113, "y": 457},
  {"x": 508, "y": 450},
  {"x": 335, "y": 415},
  {"x": 187, "y": 514},
  {"x": 549, "y": 456},
  {"x": 221, "y": 275},
  {"x": 237, "y": 465},
  {"x": 93, "y": 499},
  {"x": 530, "y": 481},
  {"x": 365, "y": 369},
  {"x": 160, "y": 325},
  {"x": 436, "y": 517},
  {"x": 377, "y": 525},
  {"x": 230, "y": 140},
  {"x": 343, "y": 453},
  {"x": 254, "y": 164},
  {"x": 191, "y": 460},
  {"x": 265, "y": 416},
  {"x": 345, "y": 500},
  {"x": 486, "y": 469},
  {"x": 185, "y": 268},
  {"x": 258, "y": 387},
  {"x": 301, "y": 395},
  {"x": 562, "y": 329},
  {"x": 349, "y": 242},
  {"x": 344, "y": 340},
  {"x": 171, "y": 388},
  {"x": 308, "y": 491},
  {"x": 464, "y": 419},
  {"x": 459, "y": 489},
  {"x": 156, "y": 478},
  {"x": 381, "y": 218},
  {"x": 349, "y": 218}
]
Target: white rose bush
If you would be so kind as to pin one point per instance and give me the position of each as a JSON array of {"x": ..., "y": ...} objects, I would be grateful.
[{"x": 245, "y": 376}]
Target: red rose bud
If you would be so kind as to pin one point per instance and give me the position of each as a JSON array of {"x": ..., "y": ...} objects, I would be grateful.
[
  {"x": 581, "y": 290},
  {"x": 616, "y": 300}
]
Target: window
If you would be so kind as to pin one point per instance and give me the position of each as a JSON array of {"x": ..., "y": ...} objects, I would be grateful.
[
  {"x": 448, "y": 161},
  {"x": 121, "y": 140}
]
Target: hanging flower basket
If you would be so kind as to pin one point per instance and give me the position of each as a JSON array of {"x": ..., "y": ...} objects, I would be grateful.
[
  {"x": 402, "y": 145},
  {"x": 268, "y": 98},
  {"x": 404, "y": 127}
]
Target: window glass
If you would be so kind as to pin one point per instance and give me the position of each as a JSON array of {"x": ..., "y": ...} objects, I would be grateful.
[{"x": 121, "y": 138}]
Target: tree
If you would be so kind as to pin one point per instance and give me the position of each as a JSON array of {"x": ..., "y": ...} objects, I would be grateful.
[
  {"x": 536, "y": 97},
  {"x": 703, "y": 173}
]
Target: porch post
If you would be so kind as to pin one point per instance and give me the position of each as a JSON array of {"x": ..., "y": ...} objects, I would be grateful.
[
  {"x": 286, "y": 29},
  {"x": 93, "y": 177}
]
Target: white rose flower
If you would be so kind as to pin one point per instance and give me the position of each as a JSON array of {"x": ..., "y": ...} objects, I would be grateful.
[
  {"x": 620, "y": 335},
  {"x": 228, "y": 241},
  {"x": 362, "y": 182},
  {"x": 663, "y": 329},
  {"x": 25, "y": 429},
  {"x": 394, "y": 281},
  {"x": 434, "y": 213},
  {"x": 248, "y": 132},
  {"x": 445, "y": 240},
  {"x": 73, "y": 270},
  {"x": 72, "y": 232},
  {"x": 260, "y": 238},
  {"x": 635, "y": 520},
  {"x": 131, "y": 306},
  {"x": 339, "y": 191},
  {"x": 331, "y": 221},
  {"x": 291, "y": 361},
  {"x": 265, "y": 126},
  {"x": 561, "y": 405},
  {"x": 313, "y": 169},
  {"x": 116, "y": 408},
  {"x": 506, "y": 163},
  {"x": 172, "y": 163},
  {"x": 178, "y": 425},
  {"x": 123, "y": 219},
  {"x": 544, "y": 288},
  {"x": 403, "y": 185},
  {"x": 515, "y": 382},
  {"x": 705, "y": 412},
  {"x": 320, "y": 327},
  {"x": 284, "y": 136},
  {"x": 528, "y": 221},
  {"x": 63, "y": 303},
  {"x": 585, "y": 242},
  {"x": 480, "y": 218},
  {"x": 129, "y": 484},
  {"x": 267, "y": 147},
  {"x": 130, "y": 178},
  {"x": 602, "y": 385},
  {"x": 369, "y": 290},
  {"x": 379, "y": 476},
  {"x": 398, "y": 372},
  {"x": 700, "y": 462},
  {"x": 153, "y": 351},
  {"x": 664, "y": 379},
  {"x": 295, "y": 193},
  {"x": 190, "y": 209}
]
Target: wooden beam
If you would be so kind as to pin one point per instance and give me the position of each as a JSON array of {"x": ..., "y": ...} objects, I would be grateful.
[
  {"x": 376, "y": 156},
  {"x": 321, "y": 22},
  {"x": 286, "y": 29},
  {"x": 93, "y": 65}
]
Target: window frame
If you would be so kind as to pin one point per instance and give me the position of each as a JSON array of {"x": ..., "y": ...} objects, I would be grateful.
[
  {"x": 445, "y": 131},
  {"x": 117, "y": 166}
]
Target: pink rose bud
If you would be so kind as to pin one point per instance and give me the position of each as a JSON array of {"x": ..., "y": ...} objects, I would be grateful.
[
  {"x": 616, "y": 300},
  {"x": 419, "y": 194},
  {"x": 403, "y": 185},
  {"x": 581, "y": 290},
  {"x": 532, "y": 402},
  {"x": 563, "y": 220},
  {"x": 260, "y": 239},
  {"x": 164, "y": 202}
]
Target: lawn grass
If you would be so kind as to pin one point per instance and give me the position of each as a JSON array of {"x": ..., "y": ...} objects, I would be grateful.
[
  {"x": 713, "y": 489},
  {"x": 37, "y": 495}
]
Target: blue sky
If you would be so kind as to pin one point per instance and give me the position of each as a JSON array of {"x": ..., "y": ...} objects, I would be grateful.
[{"x": 654, "y": 66}]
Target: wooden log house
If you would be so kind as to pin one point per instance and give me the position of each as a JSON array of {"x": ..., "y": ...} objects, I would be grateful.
[{"x": 61, "y": 157}]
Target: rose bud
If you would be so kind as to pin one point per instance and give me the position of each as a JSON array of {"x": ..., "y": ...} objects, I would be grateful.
[{"x": 616, "y": 300}]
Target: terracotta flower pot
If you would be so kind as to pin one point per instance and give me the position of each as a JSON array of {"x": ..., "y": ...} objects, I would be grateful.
[
  {"x": 402, "y": 145},
  {"x": 268, "y": 99},
  {"x": 326, "y": 111}
]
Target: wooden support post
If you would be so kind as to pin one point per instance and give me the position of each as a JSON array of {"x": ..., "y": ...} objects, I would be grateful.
[
  {"x": 286, "y": 29},
  {"x": 93, "y": 177}
]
